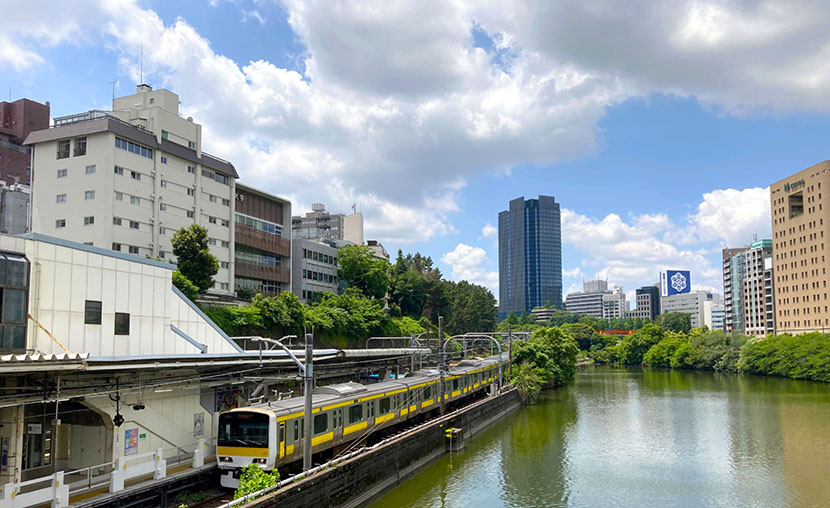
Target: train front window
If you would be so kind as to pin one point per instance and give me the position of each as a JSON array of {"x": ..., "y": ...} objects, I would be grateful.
[{"x": 243, "y": 429}]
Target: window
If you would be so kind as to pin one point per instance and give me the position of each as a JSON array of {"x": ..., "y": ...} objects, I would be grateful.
[
  {"x": 119, "y": 170},
  {"x": 190, "y": 192},
  {"x": 63, "y": 148},
  {"x": 212, "y": 220},
  {"x": 385, "y": 406},
  {"x": 355, "y": 413},
  {"x": 80, "y": 146},
  {"x": 90, "y": 169},
  {"x": 163, "y": 159},
  {"x": 61, "y": 173},
  {"x": 162, "y": 254},
  {"x": 162, "y": 230},
  {"x": 134, "y": 148},
  {"x": 164, "y": 183},
  {"x": 191, "y": 145},
  {"x": 191, "y": 169},
  {"x": 152, "y": 100},
  {"x": 226, "y": 202},
  {"x": 207, "y": 174},
  {"x": 90, "y": 194},
  {"x": 60, "y": 223},
  {"x": 89, "y": 221},
  {"x": 224, "y": 286},
  {"x": 224, "y": 264},
  {"x": 321, "y": 423},
  {"x": 116, "y": 246},
  {"x": 226, "y": 223},
  {"x": 135, "y": 200},
  {"x": 212, "y": 241},
  {"x": 133, "y": 249},
  {"x": 133, "y": 224},
  {"x": 190, "y": 214},
  {"x": 221, "y": 179},
  {"x": 122, "y": 323},
  {"x": 14, "y": 288},
  {"x": 116, "y": 221},
  {"x": 428, "y": 392},
  {"x": 212, "y": 198},
  {"x": 135, "y": 175},
  {"x": 226, "y": 244},
  {"x": 92, "y": 313},
  {"x": 60, "y": 198},
  {"x": 162, "y": 207},
  {"x": 164, "y": 134},
  {"x": 119, "y": 196}
]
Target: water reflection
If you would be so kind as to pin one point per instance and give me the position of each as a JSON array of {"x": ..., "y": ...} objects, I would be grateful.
[{"x": 621, "y": 437}]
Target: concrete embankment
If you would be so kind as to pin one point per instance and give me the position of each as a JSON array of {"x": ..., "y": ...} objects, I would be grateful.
[{"x": 354, "y": 482}]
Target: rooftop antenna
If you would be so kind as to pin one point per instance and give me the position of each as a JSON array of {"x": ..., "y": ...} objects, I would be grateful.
[
  {"x": 354, "y": 205},
  {"x": 113, "y": 83}
]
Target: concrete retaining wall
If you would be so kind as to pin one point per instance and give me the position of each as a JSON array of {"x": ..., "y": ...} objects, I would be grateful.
[{"x": 356, "y": 481}]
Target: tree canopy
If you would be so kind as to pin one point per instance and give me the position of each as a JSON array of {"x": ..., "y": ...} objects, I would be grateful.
[
  {"x": 361, "y": 270},
  {"x": 195, "y": 262}
]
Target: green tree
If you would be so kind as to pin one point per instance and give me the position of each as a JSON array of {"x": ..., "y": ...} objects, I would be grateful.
[
  {"x": 185, "y": 286},
  {"x": 582, "y": 333},
  {"x": 361, "y": 270},
  {"x": 195, "y": 262},
  {"x": 528, "y": 382},
  {"x": 409, "y": 291},
  {"x": 551, "y": 352},
  {"x": 512, "y": 318},
  {"x": 254, "y": 479},
  {"x": 630, "y": 350},
  {"x": 675, "y": 321},
  {"x": 472, "y": 308}
]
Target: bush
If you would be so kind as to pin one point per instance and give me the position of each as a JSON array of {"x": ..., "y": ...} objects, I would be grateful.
[
  {"x": 801, "y": 357},
  {"x": 528, "y": 382},
  {"x": 551, "y": 352},
  {"x": 185, "y": 286},
  {"x": 631, "y": 349},
  {"x": 660, "y": 355},
  {"x": 254, "y": 479}
]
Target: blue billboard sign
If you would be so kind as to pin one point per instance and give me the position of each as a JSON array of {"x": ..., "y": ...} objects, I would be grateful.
[{"x": 675, "y": 282}]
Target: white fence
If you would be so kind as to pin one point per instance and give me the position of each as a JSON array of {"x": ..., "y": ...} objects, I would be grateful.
[
  {"x": 57, "y": 493},
  {"x": 114, "y": 474}
]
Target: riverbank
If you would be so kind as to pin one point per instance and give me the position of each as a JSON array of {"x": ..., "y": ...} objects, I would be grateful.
[{"x": 356, "y": 481}]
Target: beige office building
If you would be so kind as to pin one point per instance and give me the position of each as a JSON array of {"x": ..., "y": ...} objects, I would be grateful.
[
  {"x": 127, "y": 179},
  {"x": 799, "y": 250}
]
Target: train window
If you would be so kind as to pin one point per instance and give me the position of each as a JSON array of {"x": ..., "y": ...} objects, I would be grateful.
[
  {"x": 385, "y": 405},
  {"x": 454, "y": 384},
  {"x": 428, "y": 392},
  {"x": 296, "y": 430},
  {"x": 340, "y": 417},
  {"x": 282, "y": 432},
  {"x": 321, "y": 423},
  {"x": 371, "y": 409},
  {"x": 355, "y": 413}
]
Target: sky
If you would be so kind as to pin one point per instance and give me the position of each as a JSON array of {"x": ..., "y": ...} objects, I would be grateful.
[{"x": 658, "y": 128}]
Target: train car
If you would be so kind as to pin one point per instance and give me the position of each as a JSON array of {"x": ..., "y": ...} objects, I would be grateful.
[{"x": 271, "y": 434}]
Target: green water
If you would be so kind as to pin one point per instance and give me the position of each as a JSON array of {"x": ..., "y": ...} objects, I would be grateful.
[{"x": 644, "y": 438}]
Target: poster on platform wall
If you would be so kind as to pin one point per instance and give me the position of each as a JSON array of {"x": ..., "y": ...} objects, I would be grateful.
[
  {"x": 131, "y": 441},
  {"x": 199, "y": 424}
]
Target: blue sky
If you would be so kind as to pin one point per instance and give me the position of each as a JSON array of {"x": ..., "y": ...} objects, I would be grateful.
[{"x": 657, "y": 132}]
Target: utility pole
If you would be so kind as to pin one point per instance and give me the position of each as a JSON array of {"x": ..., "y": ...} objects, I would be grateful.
[
  {"x": 309, "y": 387},
  {"x": 443, "y": 359}
]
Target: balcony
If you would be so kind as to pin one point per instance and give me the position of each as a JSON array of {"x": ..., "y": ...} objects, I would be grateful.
[
  {"x": 262, "y": 271},
  {"x": 261, "y": 240}
]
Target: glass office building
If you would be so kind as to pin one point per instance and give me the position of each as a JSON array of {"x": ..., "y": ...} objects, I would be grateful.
[{"x": 530, "y": 255}]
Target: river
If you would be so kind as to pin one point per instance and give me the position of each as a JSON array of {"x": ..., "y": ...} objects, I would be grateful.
[{"x": 644, "y": 438}]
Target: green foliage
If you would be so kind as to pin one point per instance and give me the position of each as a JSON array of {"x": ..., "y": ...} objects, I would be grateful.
[
  {"x": 804, "y": 356},
  {"x": 185, "y": 286},
  {"x": 254, "y": 479},
  {"x": 361, "y": 270},
  {"x": 675, "y": 321},
  {"x": 631, "y": 349},
  {"x": 551, "y": 352},
  {"x": 512, "y": 318},
  {"x": 472, "y": 308},
  {"x": 195, "y": 262},
  {"x": 584, "y": 335},
  {"x": 661, "y": 354},
  {"x": 528, "y": 382}
]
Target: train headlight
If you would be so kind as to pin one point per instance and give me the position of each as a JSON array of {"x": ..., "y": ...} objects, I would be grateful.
[
  {"x": 258, "y": 461},
  {"x": 225, "y": 459}
]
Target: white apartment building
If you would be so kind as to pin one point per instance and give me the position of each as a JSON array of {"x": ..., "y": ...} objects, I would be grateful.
[
  {"x": 614, "y": 305},
  {"x": 127, "y": 179},
  {"x": 759, "y": 309}
]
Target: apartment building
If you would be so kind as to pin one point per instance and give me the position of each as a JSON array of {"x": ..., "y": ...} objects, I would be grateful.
[
  {"x": 320, "y": 223},
  {"x": 799, "y": 246},
  {"x": 759, "y": 308},
  {"x": 734, "y": 272},
  {"x": 314, "y": 267},
  {"x": 262, "y": 253},
  {"x": 127, "y": 179},
  {"x": 17, "y": 120},
  {"x": 647, "y": 304},
  {"x": 614, "y": 305}
]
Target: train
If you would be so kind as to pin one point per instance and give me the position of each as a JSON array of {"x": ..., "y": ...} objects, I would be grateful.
[{"x": 271, "y": 434}]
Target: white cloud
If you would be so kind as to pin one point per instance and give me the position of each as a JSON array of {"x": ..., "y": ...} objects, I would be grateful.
[
  {"x": 489, "y": 231},
  {"x": 470, "y": 263},
  {"x": 732, "y": 216}
]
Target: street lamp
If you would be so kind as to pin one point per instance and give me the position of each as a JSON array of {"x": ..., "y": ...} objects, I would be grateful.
[{"x": 307, "y": 371}]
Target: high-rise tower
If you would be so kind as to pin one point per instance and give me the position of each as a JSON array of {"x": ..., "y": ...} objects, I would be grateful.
[{"x": 530, "y": 255}]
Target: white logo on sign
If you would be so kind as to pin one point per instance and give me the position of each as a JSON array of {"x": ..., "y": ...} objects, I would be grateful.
[{"x": 678, "y": 282}]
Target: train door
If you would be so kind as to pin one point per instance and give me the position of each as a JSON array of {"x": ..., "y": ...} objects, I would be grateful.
[{"x": 282, "y": 439}]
